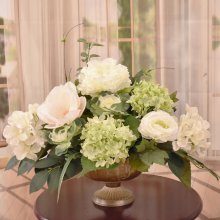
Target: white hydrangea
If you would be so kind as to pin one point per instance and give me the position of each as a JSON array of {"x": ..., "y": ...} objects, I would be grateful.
[
  {"x": 108, "y": 100},
  {"x": 105, "y": 75},
  {"x": 24, "y": 135},
  {"x": 193, "y": 132}
]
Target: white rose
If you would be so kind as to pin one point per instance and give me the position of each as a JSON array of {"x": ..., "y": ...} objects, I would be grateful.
[
  {"x": 158, "y": 125},
  {"x": 103, "y": 75},
  {"x": 108, "y": 100},
  {"x": 62, "y": 106},
  {"x": 193, "y": 132}
]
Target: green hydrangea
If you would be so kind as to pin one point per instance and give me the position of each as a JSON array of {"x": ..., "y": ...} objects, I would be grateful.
[
  {"x": 148, "y": 96},
  {"x": 106, "y": 140}
]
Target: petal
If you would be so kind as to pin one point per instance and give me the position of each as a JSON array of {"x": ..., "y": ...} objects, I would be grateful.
[
  {"x": 82, "y": 105},
  {"x": 21, "y": 151}
]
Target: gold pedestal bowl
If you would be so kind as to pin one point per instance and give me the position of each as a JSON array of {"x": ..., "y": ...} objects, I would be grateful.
[{"x": 113, "y": 194}]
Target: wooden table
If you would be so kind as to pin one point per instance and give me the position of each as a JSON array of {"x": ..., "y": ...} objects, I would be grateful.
[{"x": 156, "y": 198}]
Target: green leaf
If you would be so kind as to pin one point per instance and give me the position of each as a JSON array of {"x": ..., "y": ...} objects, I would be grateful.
[
  {"x": 82, "y": 40},
  {"x": 87, "y": 166},
  {"x": 38, "y": 180},
  {"x": 25, "y": 166},
  {"x": 145, "y": 74},
  {"x": 145, "y": 145},
  {"x": 154, "y": 156},
  {"x": 133, "y": 124},
  {"x": 66, "y": 165},
  {"x": 11, "y": 163},
  {"x": 180, "y": 168},
  {"x": 167, "y": 146},
  {"x": 173, "y": 97},
  {"x": 97, "y": 44},
  {"x": 200, "y": 165},
  {"x": 94, "y": 55},
  {"x": 137, "y": 164},
  {"x": 53, "y": 179},
  {"x": 46, "y": 162},
  {"x": 74, "y": 168}
]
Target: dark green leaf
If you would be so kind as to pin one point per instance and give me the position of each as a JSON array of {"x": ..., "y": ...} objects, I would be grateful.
[
  {"x": 46, "y": 162},
  {"x": 154, "y": 156},
  {"x": 53, "y": 179},
  {"x": 180, "y": 168},
  {"x": 137, "y": 164},
  {"x": 74, "y": 168},
  {"x": 167, "y": 146},
  {"x": 25, "y": 166},
  {"x": 133, "y": 124},
  {"x": 38, "y": 180},
  {"x": 11, "y": 163}
]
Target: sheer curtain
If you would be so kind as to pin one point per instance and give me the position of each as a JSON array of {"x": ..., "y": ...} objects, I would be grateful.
[
  {"x": 185, "y": 43},
  {"x": 41, "y": 25}
]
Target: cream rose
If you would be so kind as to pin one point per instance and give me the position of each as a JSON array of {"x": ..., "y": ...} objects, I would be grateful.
[
  {"x": 105, "y": 75},
  {"x": 158, "y": 125},
  {"x": 62, "y": 106}
]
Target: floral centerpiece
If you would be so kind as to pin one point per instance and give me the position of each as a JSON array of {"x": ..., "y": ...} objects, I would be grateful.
[{"x": 102, "y": 120}]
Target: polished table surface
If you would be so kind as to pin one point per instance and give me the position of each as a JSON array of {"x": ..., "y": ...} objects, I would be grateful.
[{"x": 156, "y": 198}]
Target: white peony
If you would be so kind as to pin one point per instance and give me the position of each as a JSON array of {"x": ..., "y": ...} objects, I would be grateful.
[
  {"x": 24, "y": 135},
  {"x": 105, "y": 75},
  {"x": 193, "y": 132},
  {"x": 62, "y": 106},
  {"x": 108, "y": 100},
  {"x": 158, "y": 125}
]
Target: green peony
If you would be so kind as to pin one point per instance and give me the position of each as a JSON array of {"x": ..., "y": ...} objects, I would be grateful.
[
  {"x": 106, "y": 140},
  {"x": 148, "y": 96}
]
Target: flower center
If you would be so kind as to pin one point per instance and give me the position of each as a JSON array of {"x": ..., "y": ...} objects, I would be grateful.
[{"x": 161, "y": 124}]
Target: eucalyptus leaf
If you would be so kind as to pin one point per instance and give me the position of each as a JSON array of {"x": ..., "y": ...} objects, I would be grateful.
[
  {"x": 12, "y": 163},
  {"x": 38, "y": 180},
  {"x": 66, "y": 165},
  {"x": 25, "y": 166},
  {"x": 53, "y": 179},
  {"x": 46, "y": 162}
]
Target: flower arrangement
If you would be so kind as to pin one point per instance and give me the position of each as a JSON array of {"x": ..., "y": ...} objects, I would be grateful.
[{"x": 102, "y": 120}]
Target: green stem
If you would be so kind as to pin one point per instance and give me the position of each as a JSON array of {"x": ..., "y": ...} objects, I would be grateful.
[{"x": 64, "y": 49}]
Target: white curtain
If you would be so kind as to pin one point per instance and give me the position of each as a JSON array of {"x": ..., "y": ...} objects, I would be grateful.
[
  {"x": 41, "y": 25},
  {"x": 185, "y": 44}
]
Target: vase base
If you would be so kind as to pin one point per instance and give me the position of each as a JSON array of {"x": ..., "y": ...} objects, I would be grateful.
[{"x": 113, "y": 196}]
